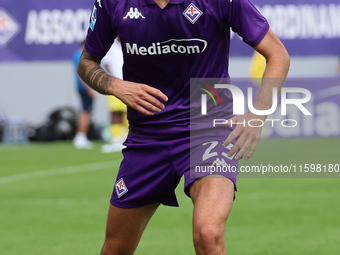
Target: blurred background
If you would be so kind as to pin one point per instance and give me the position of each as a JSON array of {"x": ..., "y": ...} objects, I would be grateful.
[{"x": 37, "y": 45}]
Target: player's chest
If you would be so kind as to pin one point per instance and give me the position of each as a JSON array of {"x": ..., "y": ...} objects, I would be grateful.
[{"x": 137, "y": 21}]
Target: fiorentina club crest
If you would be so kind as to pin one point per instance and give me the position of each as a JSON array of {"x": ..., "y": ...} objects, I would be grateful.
[
  {"x": 121, "y": 188},
  {"x": 192, "y": 13}
]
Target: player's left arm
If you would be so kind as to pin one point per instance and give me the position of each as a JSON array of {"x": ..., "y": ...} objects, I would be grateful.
[{"x": 277, "y": 66}]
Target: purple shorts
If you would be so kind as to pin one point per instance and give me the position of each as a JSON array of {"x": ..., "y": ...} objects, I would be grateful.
[{"x": 152, "y": 167}]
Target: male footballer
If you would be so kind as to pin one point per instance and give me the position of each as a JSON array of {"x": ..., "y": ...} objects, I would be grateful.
[{"x": 165, "y": 43}]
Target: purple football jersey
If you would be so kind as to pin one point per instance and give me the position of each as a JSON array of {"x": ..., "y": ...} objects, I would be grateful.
[{"x": 164, "y": 48}]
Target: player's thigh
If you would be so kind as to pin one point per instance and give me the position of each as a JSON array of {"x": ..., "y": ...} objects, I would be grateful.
[
  {"x": 213, "y": 197},
  {"x": 125, "y": 226}
]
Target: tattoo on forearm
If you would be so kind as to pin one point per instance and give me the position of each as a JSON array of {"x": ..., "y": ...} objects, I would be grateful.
[
  {"x": 93, "y": 74},
  {"x": 105, "y": 82}
]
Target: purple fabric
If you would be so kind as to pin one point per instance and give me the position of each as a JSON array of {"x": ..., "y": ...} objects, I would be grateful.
[
  {"x": 164, "y": 48},
  {"x": 196, "y": 50},
  {"x": 152, "y": 168}
]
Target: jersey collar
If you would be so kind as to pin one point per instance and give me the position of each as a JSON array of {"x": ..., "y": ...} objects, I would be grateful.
[{"x": 151, "y": 2}]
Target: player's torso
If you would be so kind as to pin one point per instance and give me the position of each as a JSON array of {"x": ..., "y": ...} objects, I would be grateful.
[{"x": 164, "y": 48}]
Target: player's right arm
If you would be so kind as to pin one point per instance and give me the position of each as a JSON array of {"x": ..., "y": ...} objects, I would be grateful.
[{"x": 140, "y": 97}]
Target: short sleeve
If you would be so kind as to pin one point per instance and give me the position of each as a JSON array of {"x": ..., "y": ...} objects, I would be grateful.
[
  {"x": 101, "y": 34},
  {"x": 247, "y": 21}
]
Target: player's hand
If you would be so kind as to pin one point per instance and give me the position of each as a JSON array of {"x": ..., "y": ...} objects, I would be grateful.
[
  {"x": 246, "y": 136},
  {"x": 141, "y": 97}
]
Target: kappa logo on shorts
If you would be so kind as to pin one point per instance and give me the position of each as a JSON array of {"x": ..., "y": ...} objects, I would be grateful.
[
  {"x": 121, "y": 188},
  {"x": 192, "y": 13},
  {"x": 219, "y": 162}
]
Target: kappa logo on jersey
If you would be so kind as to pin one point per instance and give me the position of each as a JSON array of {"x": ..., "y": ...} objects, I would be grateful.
[
  {"x": 192, "y": 13},
  {"x": 134, "y": 13},
  {"x": 9, "y": 27},
  {"x": 121, "y": 188},
  {"x": 99, "y": 3},
  {"x": 93, "y": 18}
]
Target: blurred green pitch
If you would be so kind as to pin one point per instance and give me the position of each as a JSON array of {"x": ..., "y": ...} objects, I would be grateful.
[{"x": 54, "y": 200}]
